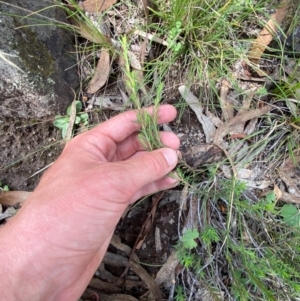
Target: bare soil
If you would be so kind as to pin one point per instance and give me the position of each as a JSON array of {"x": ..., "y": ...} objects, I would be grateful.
[{"x": 27, "y": 146}]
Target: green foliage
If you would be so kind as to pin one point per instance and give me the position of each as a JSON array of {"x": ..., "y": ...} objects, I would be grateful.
[
  {"x": 260, "y": 244},
  {"x": 207, "y": 33},
  {"x": 188, "y": 239},
  {"x": 267, "y": 203},
  {"x": 173, "y": 37},
  {"x": 149, "y": 132},
  {"x": 4, "y": 187},
  {"x": 62, "y": 122},
  {"x": 185, "y": 246},
  {"x": 186, "y": 258},
  {"x": 262, "y": 91},
  {"x": 209, "y": 235},
  {"x": 179, "y": 294},
  {"x": 286, "y": 89},
  {"x": 290, "y": 214}
]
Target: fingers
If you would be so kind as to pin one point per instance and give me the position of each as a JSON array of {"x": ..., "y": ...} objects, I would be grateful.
[
  {"x": 166, "y": 182},
  {"x": 143, "y": 171},
  {"x": 122, "y": 126},
  {"x": 132, "y": 144}
]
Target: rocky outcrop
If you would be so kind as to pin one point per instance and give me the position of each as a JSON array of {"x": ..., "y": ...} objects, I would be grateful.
[
  {"x": 293, "y": 41},
  {"x": 37, "y": 65}
]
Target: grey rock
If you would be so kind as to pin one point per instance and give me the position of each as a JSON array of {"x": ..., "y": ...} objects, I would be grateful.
[
  {"x": 293, "y": 41},
  {"x": 41, "y": 82}
]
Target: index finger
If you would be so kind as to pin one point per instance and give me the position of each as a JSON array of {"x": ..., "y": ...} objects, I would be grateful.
[{"x": 122, "y": 126}]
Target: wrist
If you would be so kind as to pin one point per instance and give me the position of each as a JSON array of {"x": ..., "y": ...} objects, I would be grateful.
[
  {"x": 44, "y": 258},
  {"x": 21, "y": 277}
]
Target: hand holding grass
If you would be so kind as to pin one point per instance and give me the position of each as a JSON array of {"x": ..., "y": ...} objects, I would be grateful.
[{"x": 52, "y": 247}]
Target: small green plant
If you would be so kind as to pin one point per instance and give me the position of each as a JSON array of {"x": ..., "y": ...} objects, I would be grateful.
[
  {"x": 188, "y": 239},
  {"x": 149, "y": 132},
  {"x": 209, "y": 235},
  {"x": 179, "y": 293},
  {"x": 185, "y": 246},
  {"x": 3, "y": 187},
  {"x": 291, "y": 215},
  {"x": 62, "y": 122},
  {"x": 173, "y": 35},
  {"x": 267, "y": 203}
]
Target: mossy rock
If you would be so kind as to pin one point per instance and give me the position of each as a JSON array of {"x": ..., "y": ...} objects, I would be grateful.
[{"x": 39, "y": 80}]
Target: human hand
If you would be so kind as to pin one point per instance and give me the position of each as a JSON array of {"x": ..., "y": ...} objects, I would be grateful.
[{"x": 64, "y": 229}]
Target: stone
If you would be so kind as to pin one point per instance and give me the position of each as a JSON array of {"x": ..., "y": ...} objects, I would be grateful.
[
  {"x": 293, "y": 41},
  {"x": 37, "y": 63}
]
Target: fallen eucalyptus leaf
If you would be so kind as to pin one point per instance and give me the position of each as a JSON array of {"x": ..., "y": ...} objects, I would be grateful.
[
  {"x": 93, "y": 6},
  {"x": 266, "y": 35},
  {"x": 12, "y": 198},
  {"x": 208, "y": 126},
  {"x": 108, "y": 103},
  {"x": 101, "y": 73}
]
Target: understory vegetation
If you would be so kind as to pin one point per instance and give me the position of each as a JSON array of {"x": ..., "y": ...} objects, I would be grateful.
[{"x": 241, "y": 236}]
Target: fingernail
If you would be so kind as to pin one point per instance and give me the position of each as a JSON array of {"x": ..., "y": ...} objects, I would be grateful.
[{"x": 171, "y": 156}]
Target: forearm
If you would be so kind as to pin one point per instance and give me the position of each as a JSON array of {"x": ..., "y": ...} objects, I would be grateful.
[
  {"x": 20, "y": 254},
  {"x": 34, "y": 264}
]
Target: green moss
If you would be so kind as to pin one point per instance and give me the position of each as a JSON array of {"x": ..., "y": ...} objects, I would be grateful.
[{"x": 34, "y": 55}]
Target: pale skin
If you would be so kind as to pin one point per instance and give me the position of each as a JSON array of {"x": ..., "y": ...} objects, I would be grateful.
[{"x": 52, "y": 247}]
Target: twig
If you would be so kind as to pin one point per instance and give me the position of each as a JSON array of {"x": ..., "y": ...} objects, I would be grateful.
[{"x": 150, "y": 215}]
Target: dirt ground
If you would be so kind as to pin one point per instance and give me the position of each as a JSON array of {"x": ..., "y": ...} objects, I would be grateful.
[{"x": 27, "y": 146}]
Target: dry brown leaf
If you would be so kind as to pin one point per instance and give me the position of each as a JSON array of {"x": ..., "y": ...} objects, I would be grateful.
[
  {"x": 241, "y": 118},
  {"x": 12, "y": 198},
  {"x": 101, "y": 73},
  {"x": 104, "y": 286},
  {"x": 266, "y": 35},
  {"x": 71, "y": 121},
  {"x": 158, "y": 246},
  {"x": 290, "y": 198},
  {"x": 134, "y": 62},
  {"x": 116, "y": 297},
  {"x": 277, "y": 192},
  {"x": 288, "y": 173},
  {"x": 167, "y": 270},
  {"x": 202, "y": 153},
  {"x": 194, "y": 103},
  {"x": 118, "y": 260},
  {"x": 143, "y": 51},
  {"x": 93, "y": 6},
  {"x": 226, "y": 105},
  {"x": 116, "y": 242},
  {"x": 148, "y": 223},
  {"x": 146, "y": 9}
]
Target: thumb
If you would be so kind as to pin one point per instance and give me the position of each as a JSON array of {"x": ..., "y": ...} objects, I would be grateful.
[{"x": 152, "y": 166}]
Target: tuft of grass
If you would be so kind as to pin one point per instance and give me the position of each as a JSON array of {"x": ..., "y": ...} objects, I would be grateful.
[
  {"x": 213, "y": 35},
  {"x": 254, "y": 257}
]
